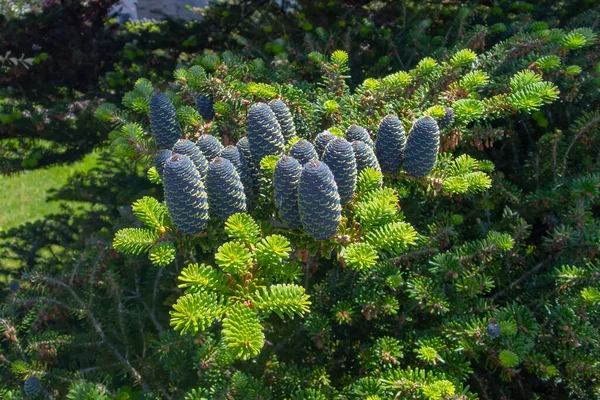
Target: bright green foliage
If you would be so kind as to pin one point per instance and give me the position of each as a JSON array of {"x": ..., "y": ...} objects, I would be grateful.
[
  {"x": 392, "y": 238},
  {"x": 360, "y": 256},
  {"x": 134, "y": 240},
  {"x": 195, "y": 312},
  {"x": 368, "y": 179},
  {"x": 242, "y": 227},
  {"x": 283, "y": 300},
  {"x": 233, "y": 258},
  {"x": 86, "y": 391},
  {"x": 508, "y": 359},
  {"x": 152, "y": 213},
  {"x": 162, "y": 254},
  {"x": 271, "y": 251},
  {"x": 242, "y": 332}
]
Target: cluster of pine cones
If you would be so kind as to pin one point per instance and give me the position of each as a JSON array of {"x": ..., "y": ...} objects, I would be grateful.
[{"x": 311, "y": 184}]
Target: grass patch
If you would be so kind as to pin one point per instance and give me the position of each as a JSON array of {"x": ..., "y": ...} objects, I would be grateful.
[{"x": 25, "y": 196}]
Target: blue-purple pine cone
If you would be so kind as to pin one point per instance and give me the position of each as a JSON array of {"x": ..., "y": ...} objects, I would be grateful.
[
  {"x": 285, "y": 184},
  {"x": 163, "y": 121},
  {"x": 264, "y": 133},
  {"x": 205, "y": 107},
  {"x": 447, "y": 119},
  {"x": 339, "y": 157},
  {"x": 355, "y": 132},
  {"x": 389, "y": 145},
  {"x": 321, "y": 142},
  {"x": 244, "y": 148},
  {"x": 284, "y": 117},
  {"x": 365, "y": 157},
  {"x": 494, "y": 330},
  {"x": 225, "y": 189},
  {"x": 161, "y": 157},
  {"x": 185, "y": 195},
  {"x": 187, "y": 148},
  {"x": 319, "y": 201},
  {"x": 303, "y": 151},
  {"x": 32, "y": 386},
  {"x": 422, "y": 147},
  {"x": 233, "y": 154},
  {"x": 209, "y": 146}
]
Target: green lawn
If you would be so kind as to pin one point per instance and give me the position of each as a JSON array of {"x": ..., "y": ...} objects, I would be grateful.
[{"x": 24, "y": 195}]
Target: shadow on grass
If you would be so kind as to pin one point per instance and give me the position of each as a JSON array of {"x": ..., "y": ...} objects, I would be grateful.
[{"x": 93, "y": 202}]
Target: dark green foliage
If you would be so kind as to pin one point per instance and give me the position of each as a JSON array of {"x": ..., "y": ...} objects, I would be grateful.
[
  {"x": 161, "y": 157},
  {"x": 284, "y": 117},
  {"x": 339, "y": 157},
  {"x": 422, "y": 147},
  {"x": 163, "y": 120},
  {"x": 389, "y": 146},
  {"x": 263, "y": 132},
  {"x": 185, "y": 195},
  {"x": 355, "y": 132},
  {"x": 321, "y": 142},
  {"x": 285, "y": 185},
  {"x": 446, "y": 119},
  {"x": 303, "y": 151},
  {"x": 365, "y": 157},
  {"x": 186, "y": 147},
  {"x": 318, "y": 201},
  {"x": 32, "y": 386},
  {"x": 209, "y": 146},
  {"x": 225, "y": 189},
  {"x": 205, "y": 107},
  {"x": 233, "y": 154}
]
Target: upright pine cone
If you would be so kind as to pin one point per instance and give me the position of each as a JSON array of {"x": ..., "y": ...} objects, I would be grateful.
[
  {"x": 187, "y": 148},
  {"x": 225, "y": 189},
  {"x": 321, "y": 142},
  {"x": 32, "y": 386},
  {"x": 244, "y": 148},
  {"x": 264, "y": 133},
  {"x": 390, "y": 143},
  {"x": 205, "y": 107},
  {"x": 422, "y": 147},
  {"x": 365, "y": 157},
  {"x": 319, "y": 201},
  {"x": 209, "y": 146},
  {"x": 446, "y": 119},
  {"x": 184, "y": 195},
  {"x": 303, "y": 151},
  {"x": 285, "y": 184},
  {"x": 284, "y": 117},
  {"x": 339, "y": 157},
  {"x": 355, "y": 132},
  {"x": 163, "y": 121},
  {"x": 161, "y": 157},
  {"x": 238, "y": 160}
]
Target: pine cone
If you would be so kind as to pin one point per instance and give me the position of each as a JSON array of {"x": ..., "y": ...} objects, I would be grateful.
[
  {"x": 446, "y": 119},
  {"x": 285, "y": 184},
  {"x": 209, "y": 146},
  {"x": 422, "y": 147},
  {"x": 32, "y": 386},
  {"x": 303, "y": 151},
  {"x": 238, "y": 160},
  {"x": 355, "y": 132},
  {"x": 339, "y": 157},
  {"x": 321, "y": 142},
  {"x": 264, "y": 133},
  {"x": 187, "y": 148},
  {"x": 163, "y": 121},
  {"x": 184, "y": 195},
  {"x": 244, "y": 148},
  {"x": 390, "y": 143},
  {"x": 205, "y": 107},
  {"x": 161, "y": 157},
  {"x": 284, "y": 117},
  {"x": 365, "y": 157},
  {"x": 225, "y": 189},
  {"x": 319, "y": 201}
]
